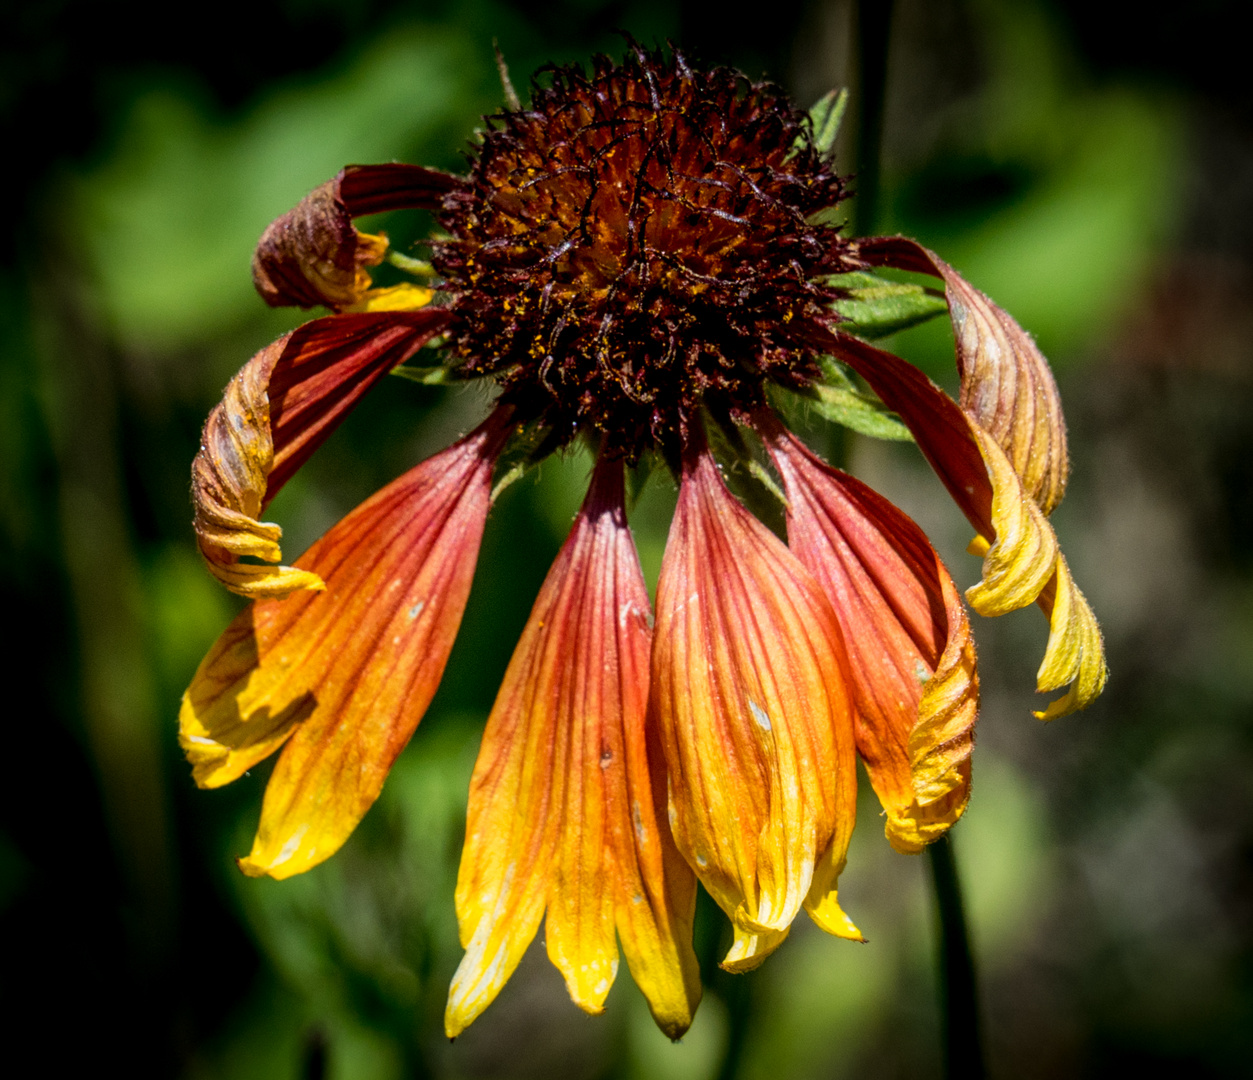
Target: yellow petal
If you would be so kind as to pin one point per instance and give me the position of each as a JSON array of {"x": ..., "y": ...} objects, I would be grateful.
[
  {"x": 1075, "y": 654},
  {"x": 1022, "y": 561},
  {"x": 749, "y": 689},
  {"x": 344, "y": 676},
  {"x": 1024, "y": 553},
  {"x": 402, "y": 297},
  {"x": 563, "y": 808},
  {"x": 911, "y": 655}
]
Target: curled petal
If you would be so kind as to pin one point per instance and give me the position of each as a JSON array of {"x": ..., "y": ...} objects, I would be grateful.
[
  {"x": 1022, "y": 563},
  {"x": 566, "y": 804},
  {"x": 1023, "y": 556},
  {"x": 911, "y": 654},
  {"x": 276, "y": 411},
  {"x": 749, "y": 691},
  {"x": 373, "y": 189},
  {"x": 1007, "y": 387},
  {"x": 1075, "y": 653},
  {"x": 313, "y": 254},
  {"x": 343, "y": 676}
]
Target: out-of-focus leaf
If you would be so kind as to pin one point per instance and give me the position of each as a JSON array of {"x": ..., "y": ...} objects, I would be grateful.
[{"x": 875, "y": 307}]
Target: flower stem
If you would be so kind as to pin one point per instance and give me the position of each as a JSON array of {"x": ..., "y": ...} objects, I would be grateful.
[{"x": 963, "y": 1045}]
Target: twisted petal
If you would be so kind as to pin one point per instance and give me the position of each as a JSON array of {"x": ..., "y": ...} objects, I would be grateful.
[
  {"x": 749, "y": 691},
  {"x": 1021, "y": 559},
  {"x": 1007, "y": 387},
  {"x": 566, "y": 805},
  {"x": 313, "y": 254},
  {"x": 276, "y": 411},
  {"x": 343, "y": 676},
  {"x": 911, "y": 654}
]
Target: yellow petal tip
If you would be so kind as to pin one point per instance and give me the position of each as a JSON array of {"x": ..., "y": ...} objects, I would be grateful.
[{"x": 750, "y": 949}]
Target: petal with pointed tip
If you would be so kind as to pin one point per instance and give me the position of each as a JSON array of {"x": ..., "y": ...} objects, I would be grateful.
[
  {"x": 911, "y": 654},
  {"x": 564, "y": 805},
  {"x": 749, "y": 691},
  {"x": 343, "y": 676},
  {"x": 1022, "y": 563}
]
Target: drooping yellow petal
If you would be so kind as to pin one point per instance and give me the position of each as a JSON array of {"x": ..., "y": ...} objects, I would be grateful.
[
  {"x": 276, "y": 411},
  {"x": 1022, "y": 563},
  {"x": 1023, "y": 553},
  {"x": 911, "y": 654},
  {"x": 565, "y": 809},
  {"x": 343, "y": 676},
  {"x": 749, "y": 691},
  {"x": 1075, "y": 654}
]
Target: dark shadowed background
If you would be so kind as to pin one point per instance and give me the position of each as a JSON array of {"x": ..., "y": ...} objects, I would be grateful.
[{"x": 1090, "y": 165}]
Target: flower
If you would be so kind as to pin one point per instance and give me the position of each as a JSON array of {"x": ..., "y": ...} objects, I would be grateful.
[{"x": 640, "y": 258}]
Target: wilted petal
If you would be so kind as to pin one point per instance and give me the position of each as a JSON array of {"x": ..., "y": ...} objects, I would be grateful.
[
  {"x": 1007, "y": 387},
  {"x": 911, "y": 655},
  {"x": 566, "y": 808},
  {"x": 276, "y": 411},
  {"x": 750, "y": 696},
  {"x": 313, "y": 254},
  {"x": 1075, "y": 653},
  {"x": 343, "y": 676},
  {"x": 1022, "y": 563}
]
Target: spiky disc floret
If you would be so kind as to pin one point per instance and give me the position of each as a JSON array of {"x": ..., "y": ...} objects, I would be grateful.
[{"x": 638, "y": 242}]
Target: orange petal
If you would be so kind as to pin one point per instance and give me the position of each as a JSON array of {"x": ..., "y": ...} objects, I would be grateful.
[
  {"x": 564, "y": 809},
  {"x": 344, "y": 676},
  {"x": 749, "y": 690},
  {"x": 1007, "y": 387},
  {"x": 911, "y": 655},
  {"x": 276, "y": 411},
  {"x": 1022, "y": 562},
  {"x": 313, "y": 254}
]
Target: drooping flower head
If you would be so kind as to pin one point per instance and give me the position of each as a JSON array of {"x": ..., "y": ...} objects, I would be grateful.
[{"x": 642, "y": 258}]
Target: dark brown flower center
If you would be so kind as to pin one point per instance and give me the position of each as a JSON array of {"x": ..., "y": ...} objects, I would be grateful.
[{"x": 638, "y": 243}]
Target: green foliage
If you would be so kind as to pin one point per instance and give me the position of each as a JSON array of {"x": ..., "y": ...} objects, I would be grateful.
[
  {"x": 877, "y": 308},
  {"x": 839, "y": 400},
  {"x": 825, "y": 117}
]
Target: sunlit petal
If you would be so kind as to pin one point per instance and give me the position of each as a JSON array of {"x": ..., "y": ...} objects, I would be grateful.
[
  {"x": 1022, "y": 563},
  {"x": 276, "y": 411},
  {"x": 750, "y": 696},
  {"x": 911, "y": 655},
  {"x": 344, "y": 676},
  {"x": 1006, "y": 384},
  {"x": 565, "y": 809}
]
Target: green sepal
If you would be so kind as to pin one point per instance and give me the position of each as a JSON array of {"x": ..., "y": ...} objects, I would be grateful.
[
  {"x": 638, "y": 475},
  {"x": 873, "y": 307},
  {"x": 427, "y": 376},
  {"x": 526, "y": 448},
  {"x": 838, "y": 399},
  {"x": 825, "y": 118}
]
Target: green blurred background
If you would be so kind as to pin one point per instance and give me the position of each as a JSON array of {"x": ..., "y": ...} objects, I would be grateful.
[{"x": 1088, "y": 164}]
